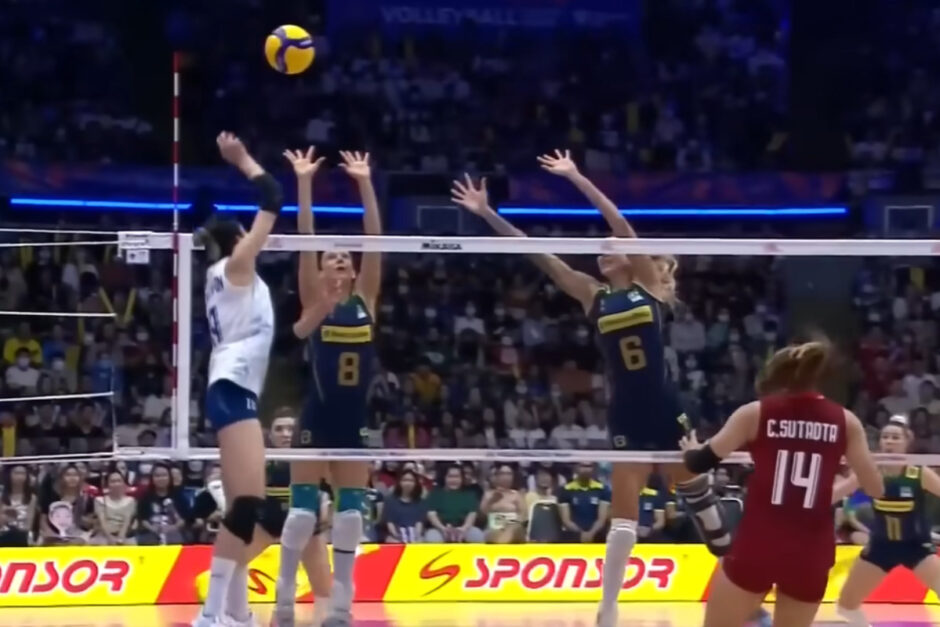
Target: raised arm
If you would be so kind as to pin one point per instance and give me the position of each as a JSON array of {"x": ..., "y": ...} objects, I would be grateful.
[
  {"x": 580, "y": 286},
  {"x": 308, "y": 271},
  {"x": 859, "y": 457},
  {"x": 561, "y": 164},
  {"x": 240, "y": 268},
  {"x": 369, "y": 281}
]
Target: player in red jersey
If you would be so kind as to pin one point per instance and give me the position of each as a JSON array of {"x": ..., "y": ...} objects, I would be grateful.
[{"x": 797, "y": 438}]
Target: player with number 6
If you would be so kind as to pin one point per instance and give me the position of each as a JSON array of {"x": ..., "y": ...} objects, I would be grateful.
[
  {"x": 628, "y": 310},
  {"x": 797, "y": 438},
  {"x": 338, "y": 314}
]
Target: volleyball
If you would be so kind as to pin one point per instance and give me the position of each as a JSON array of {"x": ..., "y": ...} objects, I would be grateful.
[{"x": 289, "y": 49}]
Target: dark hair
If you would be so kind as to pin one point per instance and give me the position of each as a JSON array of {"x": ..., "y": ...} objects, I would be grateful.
[
  {"x": 219, "y": 236},
  {"x": 106, "y": 478},
  {"x": 152, "y": 488},
  {"x": 8, "y": 483},
  {"x": 417, "y": 493}
]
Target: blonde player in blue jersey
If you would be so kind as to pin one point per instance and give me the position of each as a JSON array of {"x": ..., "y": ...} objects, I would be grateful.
[
  {"x": 644, "y": 413},
  {"x": 340, "y": 350},
  {"x": 241, "y": 324}
]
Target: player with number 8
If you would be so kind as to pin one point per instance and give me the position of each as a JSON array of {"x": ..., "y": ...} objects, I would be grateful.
[
  {"x": 337, "y": 320},
  {"x": 797, "y": 439}
]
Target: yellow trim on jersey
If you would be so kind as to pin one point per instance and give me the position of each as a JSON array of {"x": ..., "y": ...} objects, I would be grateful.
[
  {"x": 277, "y": 492},
  {"x": 346, "y": 335},
  {"x": 593, "y": 485},
  {"x": 626, "y": 319},
  {"x": 894, "y": 507},
  {"x": 912, "y": 472}
]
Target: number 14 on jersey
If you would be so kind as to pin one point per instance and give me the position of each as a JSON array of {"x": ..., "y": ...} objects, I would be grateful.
[{"x": 798, "y": 469}]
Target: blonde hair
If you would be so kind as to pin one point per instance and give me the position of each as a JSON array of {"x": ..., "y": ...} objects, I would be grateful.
[{"x": 797, "y": 367}]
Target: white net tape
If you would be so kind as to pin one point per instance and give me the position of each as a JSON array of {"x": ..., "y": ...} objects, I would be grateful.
[{"x": 130, "y": 240}]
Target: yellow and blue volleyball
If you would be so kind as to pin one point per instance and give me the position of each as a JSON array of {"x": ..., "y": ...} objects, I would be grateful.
[{"x": 289, "y": 49}]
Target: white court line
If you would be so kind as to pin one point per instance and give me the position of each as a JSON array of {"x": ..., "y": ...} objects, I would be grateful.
[
  {"x": 57, "y": 314},
  {"x": 55, "y": 397},
  {"x": 45, "y": 244}
]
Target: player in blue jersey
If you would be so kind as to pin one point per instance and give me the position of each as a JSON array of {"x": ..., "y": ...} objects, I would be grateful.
[
  {"x": 337, "y": 323},
  {"x": 900, "y": 532},
  {"x": 628, "y": 310}
]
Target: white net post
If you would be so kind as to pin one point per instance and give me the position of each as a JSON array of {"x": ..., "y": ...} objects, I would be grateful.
[{"x": 181, "y": 410}]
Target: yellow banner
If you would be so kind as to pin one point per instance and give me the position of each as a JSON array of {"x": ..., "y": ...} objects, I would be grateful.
[
  {"x": 84, "y": 575},
  {"x": 529, "y": 572}
]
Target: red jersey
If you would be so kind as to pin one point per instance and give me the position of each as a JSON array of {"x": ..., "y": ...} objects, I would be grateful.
[{"x": 787, "y": 526}]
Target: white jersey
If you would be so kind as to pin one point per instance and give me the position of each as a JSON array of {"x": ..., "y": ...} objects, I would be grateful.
[{"x": 241, "y": 323}]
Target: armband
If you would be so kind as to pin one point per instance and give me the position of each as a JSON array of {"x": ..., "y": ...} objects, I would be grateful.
[
  {"x": 272, "y": 196},
  {"x": 701, "y": 460}
]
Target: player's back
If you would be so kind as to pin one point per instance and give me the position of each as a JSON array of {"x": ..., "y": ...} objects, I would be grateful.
[{"x": 797, "y": 452}]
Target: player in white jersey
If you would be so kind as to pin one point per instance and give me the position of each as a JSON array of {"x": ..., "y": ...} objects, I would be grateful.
[{"x": 241, "y": 323}]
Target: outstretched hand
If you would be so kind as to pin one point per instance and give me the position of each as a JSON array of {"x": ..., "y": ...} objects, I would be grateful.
[
  {"x": 689, "y": 442},
  {"x": 303, "y": 162},
  {"x": 475, "y": 198},
  {"x": 559, "y": 164},
  {"x": 356, "y": 164},
  {"x": 231, "y": 148}
]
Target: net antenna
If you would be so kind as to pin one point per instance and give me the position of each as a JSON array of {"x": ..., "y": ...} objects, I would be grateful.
[{"x": 179, "y": 401}]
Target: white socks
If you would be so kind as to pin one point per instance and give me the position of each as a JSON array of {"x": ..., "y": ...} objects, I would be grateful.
[
  {"x": 620, "y": 541},
  {"x": 855, "y": 618},
  {"x": 236, "y": 603},
  {"x": 220, "y": 576},
  {"x": 298, "y": 529},
  {"x": 347, "y": 532}
]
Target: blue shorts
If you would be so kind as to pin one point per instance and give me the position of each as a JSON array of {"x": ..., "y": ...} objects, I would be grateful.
[
  {"x": 652, "y": 425},
  {"x": 888, "y": 555},
  {"x": 329, "y": 425},
  {"x": 228, "y": 403}
]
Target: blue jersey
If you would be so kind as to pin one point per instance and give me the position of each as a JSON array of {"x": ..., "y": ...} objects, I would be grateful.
[
  {"x": 900, "y": 514},
  {"x": 644, "y": 412},
  {"x": 341, "y": 354}
]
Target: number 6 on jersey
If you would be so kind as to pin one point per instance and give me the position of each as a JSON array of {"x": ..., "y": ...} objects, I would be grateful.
[{"x": 799, "y": 474}]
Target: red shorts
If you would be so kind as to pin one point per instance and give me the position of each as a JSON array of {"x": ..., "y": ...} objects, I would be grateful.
[{"x": 757, "y": 573}]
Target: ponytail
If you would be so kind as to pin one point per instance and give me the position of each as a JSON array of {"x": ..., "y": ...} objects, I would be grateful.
[{"x": 795, "y": 368}]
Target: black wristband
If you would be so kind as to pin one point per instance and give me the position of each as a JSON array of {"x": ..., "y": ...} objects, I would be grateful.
[
  {"x": 701, "y": 460},
  {"x": 272, "y": 195}
]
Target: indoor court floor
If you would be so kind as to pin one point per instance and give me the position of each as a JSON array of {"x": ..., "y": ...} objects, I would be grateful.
[{"x": 446, "y": 615}]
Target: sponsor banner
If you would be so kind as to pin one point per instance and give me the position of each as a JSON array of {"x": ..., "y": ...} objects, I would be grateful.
[
  {"x": 549, "y": 572},
  {"x": 84, "y": 575},
  {"x": 81, "y": 576}
]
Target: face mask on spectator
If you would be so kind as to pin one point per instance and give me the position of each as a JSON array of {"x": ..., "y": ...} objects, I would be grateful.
[
  {"x": 22, "y": 362},
  {"x": 874, "y": 316},
  {"x": 521, "y": 389},
  {"x": 582, "y": 334},
  {"x": 142, "y": 336},
  {"x": 58, "y": 365},
  {"x": 387, "y": 308},
  {"x": 761, "y": 309},
  {"x": 506, "y": 341},
  {"x": 430, "y": 312},
  {"x": 723, "y": 317},
  {"x": 471, "y": 311},
  {"x": 89, "y": 339}
]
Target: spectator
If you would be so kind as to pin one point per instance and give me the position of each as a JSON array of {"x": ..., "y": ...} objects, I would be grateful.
[
  {"x": 568, "y": 434},
  {"x": 897, "y": 402},
  {"x": 23, "y": 341},
  {"x": 469, "y": 322},
  {"x": 22, "y": 377},
  {"x": 504, "y": 508},
  {"x": 115, "y": 511},
  {"x": 405, "y": 510},
  {"x": 527, "y": 434},
  {"x": 427, "y": 384},
  {"x": 544, "y": 489},
  {"x": 452, "y": 511},
  {"x": 915, "y": 379},
  {"x": 652, "y": 520},
  {"x": 17, "y": 507},
  {"x": 687, "y": 334},
  {"x": 209, "y": 505},
  {"x": 585, "y": 503},
  {"x": 161, "y": 513},
  {"x": 85, "y": 436},
  {"x": 67, "y": 514}
]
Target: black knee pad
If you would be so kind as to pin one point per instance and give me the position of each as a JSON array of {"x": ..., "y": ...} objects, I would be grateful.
[{"x": 242, "y": 516}]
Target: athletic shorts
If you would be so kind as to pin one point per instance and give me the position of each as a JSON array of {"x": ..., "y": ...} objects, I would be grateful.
[
  {"x": 228, "y": 403},
  {"x": 324, "y": 426},
  {"x": 801, "y": 580},
  {"x": 275, "y": 515},
  {"x": 648, "y": 426},
  {"x": 889, "y": 555}
]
